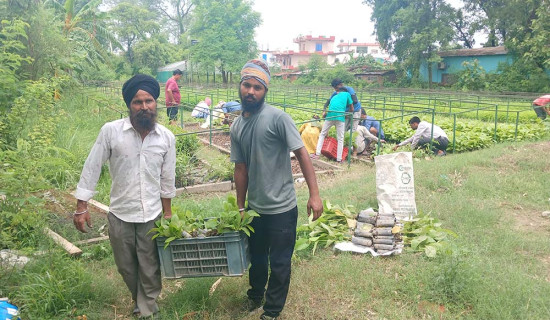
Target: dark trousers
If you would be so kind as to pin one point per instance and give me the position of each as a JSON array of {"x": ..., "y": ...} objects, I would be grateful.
[
  {"x": 440, "y": 143},
  {"x": 172, "y": 113},
  {"x": 272, "y": 245}
]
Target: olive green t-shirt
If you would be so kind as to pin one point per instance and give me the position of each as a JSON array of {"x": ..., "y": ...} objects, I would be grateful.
[{"x": 263, "y": 142}]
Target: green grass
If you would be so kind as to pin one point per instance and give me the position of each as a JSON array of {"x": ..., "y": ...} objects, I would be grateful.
[{"x": 500, "y": 271}]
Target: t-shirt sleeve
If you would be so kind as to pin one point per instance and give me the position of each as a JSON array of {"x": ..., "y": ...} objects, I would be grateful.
[
  {"x": 171, "y": 85},
  {"x": 349, "y": 101},
  {"x": 236, "y": 155},
  {"x": 287, "y": 130}
]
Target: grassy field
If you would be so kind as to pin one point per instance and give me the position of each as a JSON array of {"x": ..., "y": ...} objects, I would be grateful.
[{"x": 492, "y": 198}]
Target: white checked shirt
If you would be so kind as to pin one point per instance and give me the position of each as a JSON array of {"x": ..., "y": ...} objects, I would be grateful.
[
  {"x": 424, "y": 130},
  {"x": 142, "y": 172}
]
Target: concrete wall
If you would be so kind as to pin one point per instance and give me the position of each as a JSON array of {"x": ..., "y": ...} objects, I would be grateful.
[{"x": 454, "y": 65}]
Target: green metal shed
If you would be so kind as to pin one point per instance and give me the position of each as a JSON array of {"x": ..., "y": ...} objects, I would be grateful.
[{"x": 164, "y": 73}]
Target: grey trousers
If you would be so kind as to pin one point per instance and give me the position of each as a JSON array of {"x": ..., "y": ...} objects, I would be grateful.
[
  {"x": 356, "y": 119},
  {"x": 137, "y": 261}
]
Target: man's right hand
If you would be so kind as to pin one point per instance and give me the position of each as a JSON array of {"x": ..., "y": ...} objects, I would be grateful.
[
  {"x": 80, "y": 219},
  {"x": 395, "y": 147},
  {"x": 84, "y": 218}
]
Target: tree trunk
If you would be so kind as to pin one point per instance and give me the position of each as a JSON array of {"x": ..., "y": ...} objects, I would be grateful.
[{"x": 224, "y": 76}]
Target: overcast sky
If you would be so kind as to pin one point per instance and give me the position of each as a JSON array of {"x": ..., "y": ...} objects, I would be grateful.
[{"x": 284, "y": 20}]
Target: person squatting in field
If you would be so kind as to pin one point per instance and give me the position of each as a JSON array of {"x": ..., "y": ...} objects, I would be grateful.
[
  {"x": 423, "y": 136},
  {"x": 261, "y": 139},
  {"x": 142, "y": 159}
]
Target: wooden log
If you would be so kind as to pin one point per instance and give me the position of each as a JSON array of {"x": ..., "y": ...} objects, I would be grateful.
[
  {"x": 69, "y": 247},
  {"x": 99, "y": 205},
  {"x": 93, "y": 240}
]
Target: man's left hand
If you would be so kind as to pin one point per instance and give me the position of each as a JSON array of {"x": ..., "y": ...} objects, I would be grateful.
[
  {"x": 167, "y": 215},
  {"x": 316, "y": 205}
]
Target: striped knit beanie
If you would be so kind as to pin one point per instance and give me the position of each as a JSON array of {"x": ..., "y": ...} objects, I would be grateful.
[{"x": 258, "y": 70}]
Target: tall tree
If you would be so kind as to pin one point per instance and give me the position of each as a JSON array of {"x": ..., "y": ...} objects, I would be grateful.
[
  {"x": 413, "y": 31},
  {"x": 494, "y": 16},
  {"x": 131, "y": 23},
  {"x": 177, "y": 12},
  {"x": 225, "y": 30},
  {"x": 465, "y": 27},
  {"x": 84, "y": 25}
]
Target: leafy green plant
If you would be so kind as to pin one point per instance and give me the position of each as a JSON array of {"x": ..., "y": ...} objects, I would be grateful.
[
  {"x": 330, "y": 227},
  {"x": 425, "y": 234},
  {"x": 232, "y": 220},
  {"x": 184, "y": 224},
  {"x": 181, "y": 222}
]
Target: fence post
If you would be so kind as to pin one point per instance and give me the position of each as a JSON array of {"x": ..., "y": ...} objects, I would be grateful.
[
  {"x": 496, "y": 121},
  {"x": 517, "y": 122},
  {"x": 454, "y": 133}
]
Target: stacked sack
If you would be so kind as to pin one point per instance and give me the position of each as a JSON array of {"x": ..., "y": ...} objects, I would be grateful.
[{"x": 380, "y": 232}]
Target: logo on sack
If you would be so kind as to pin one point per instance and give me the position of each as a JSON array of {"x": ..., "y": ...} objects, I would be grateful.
[
  {"x": 405, "y": 178},
  {"x": 404, "y": 168}
]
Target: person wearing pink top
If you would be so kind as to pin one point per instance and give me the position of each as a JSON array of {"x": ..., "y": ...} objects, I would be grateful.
[
  {"x": 541, "y": 105},
  {"x": 173, "y": 96}
]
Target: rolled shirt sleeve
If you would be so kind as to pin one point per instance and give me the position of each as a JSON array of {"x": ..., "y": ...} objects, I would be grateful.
[
  {"x": 100, "y": 153},
  {"x": 168, "y": 171}
]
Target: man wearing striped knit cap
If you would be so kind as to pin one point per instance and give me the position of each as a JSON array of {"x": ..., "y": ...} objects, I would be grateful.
[{"x": 261, "y": 140}]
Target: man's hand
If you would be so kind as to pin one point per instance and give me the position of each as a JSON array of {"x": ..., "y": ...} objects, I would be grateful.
[
  {"x": 80, "y": 219},
  {"x": 395, "y": 147},
  {"x": 167, "y": 215},
  {"x": 316, "y": 205},
  {"x": 324, "y": 114}
]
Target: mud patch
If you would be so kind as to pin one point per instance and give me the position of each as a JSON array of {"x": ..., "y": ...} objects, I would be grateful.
[
  {"x": 526, "y": 219},
  {"x": 223, "y": 140},
  {"x": 518, "y": 154}
]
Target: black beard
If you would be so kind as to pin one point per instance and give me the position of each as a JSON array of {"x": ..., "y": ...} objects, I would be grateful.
[
  {"x": 251, "y": 106},
  {"x": 143, "y": 119}
]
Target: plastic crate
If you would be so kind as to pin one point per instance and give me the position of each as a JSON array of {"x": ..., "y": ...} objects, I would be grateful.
[
  {"x": 330, "y": 149},
  {"x": 224, "y": 255}
]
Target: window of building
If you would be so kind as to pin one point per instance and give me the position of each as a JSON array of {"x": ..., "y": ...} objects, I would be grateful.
[
  {"x": 374, "y": 51},
  {"x": 319, "y": 47},
  {"x": 362, "y": 50}
]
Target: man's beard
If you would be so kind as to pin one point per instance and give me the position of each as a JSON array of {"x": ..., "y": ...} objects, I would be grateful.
[
  {"x": 144, "y": 119},
  {"x": 252, "y": 104}
]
